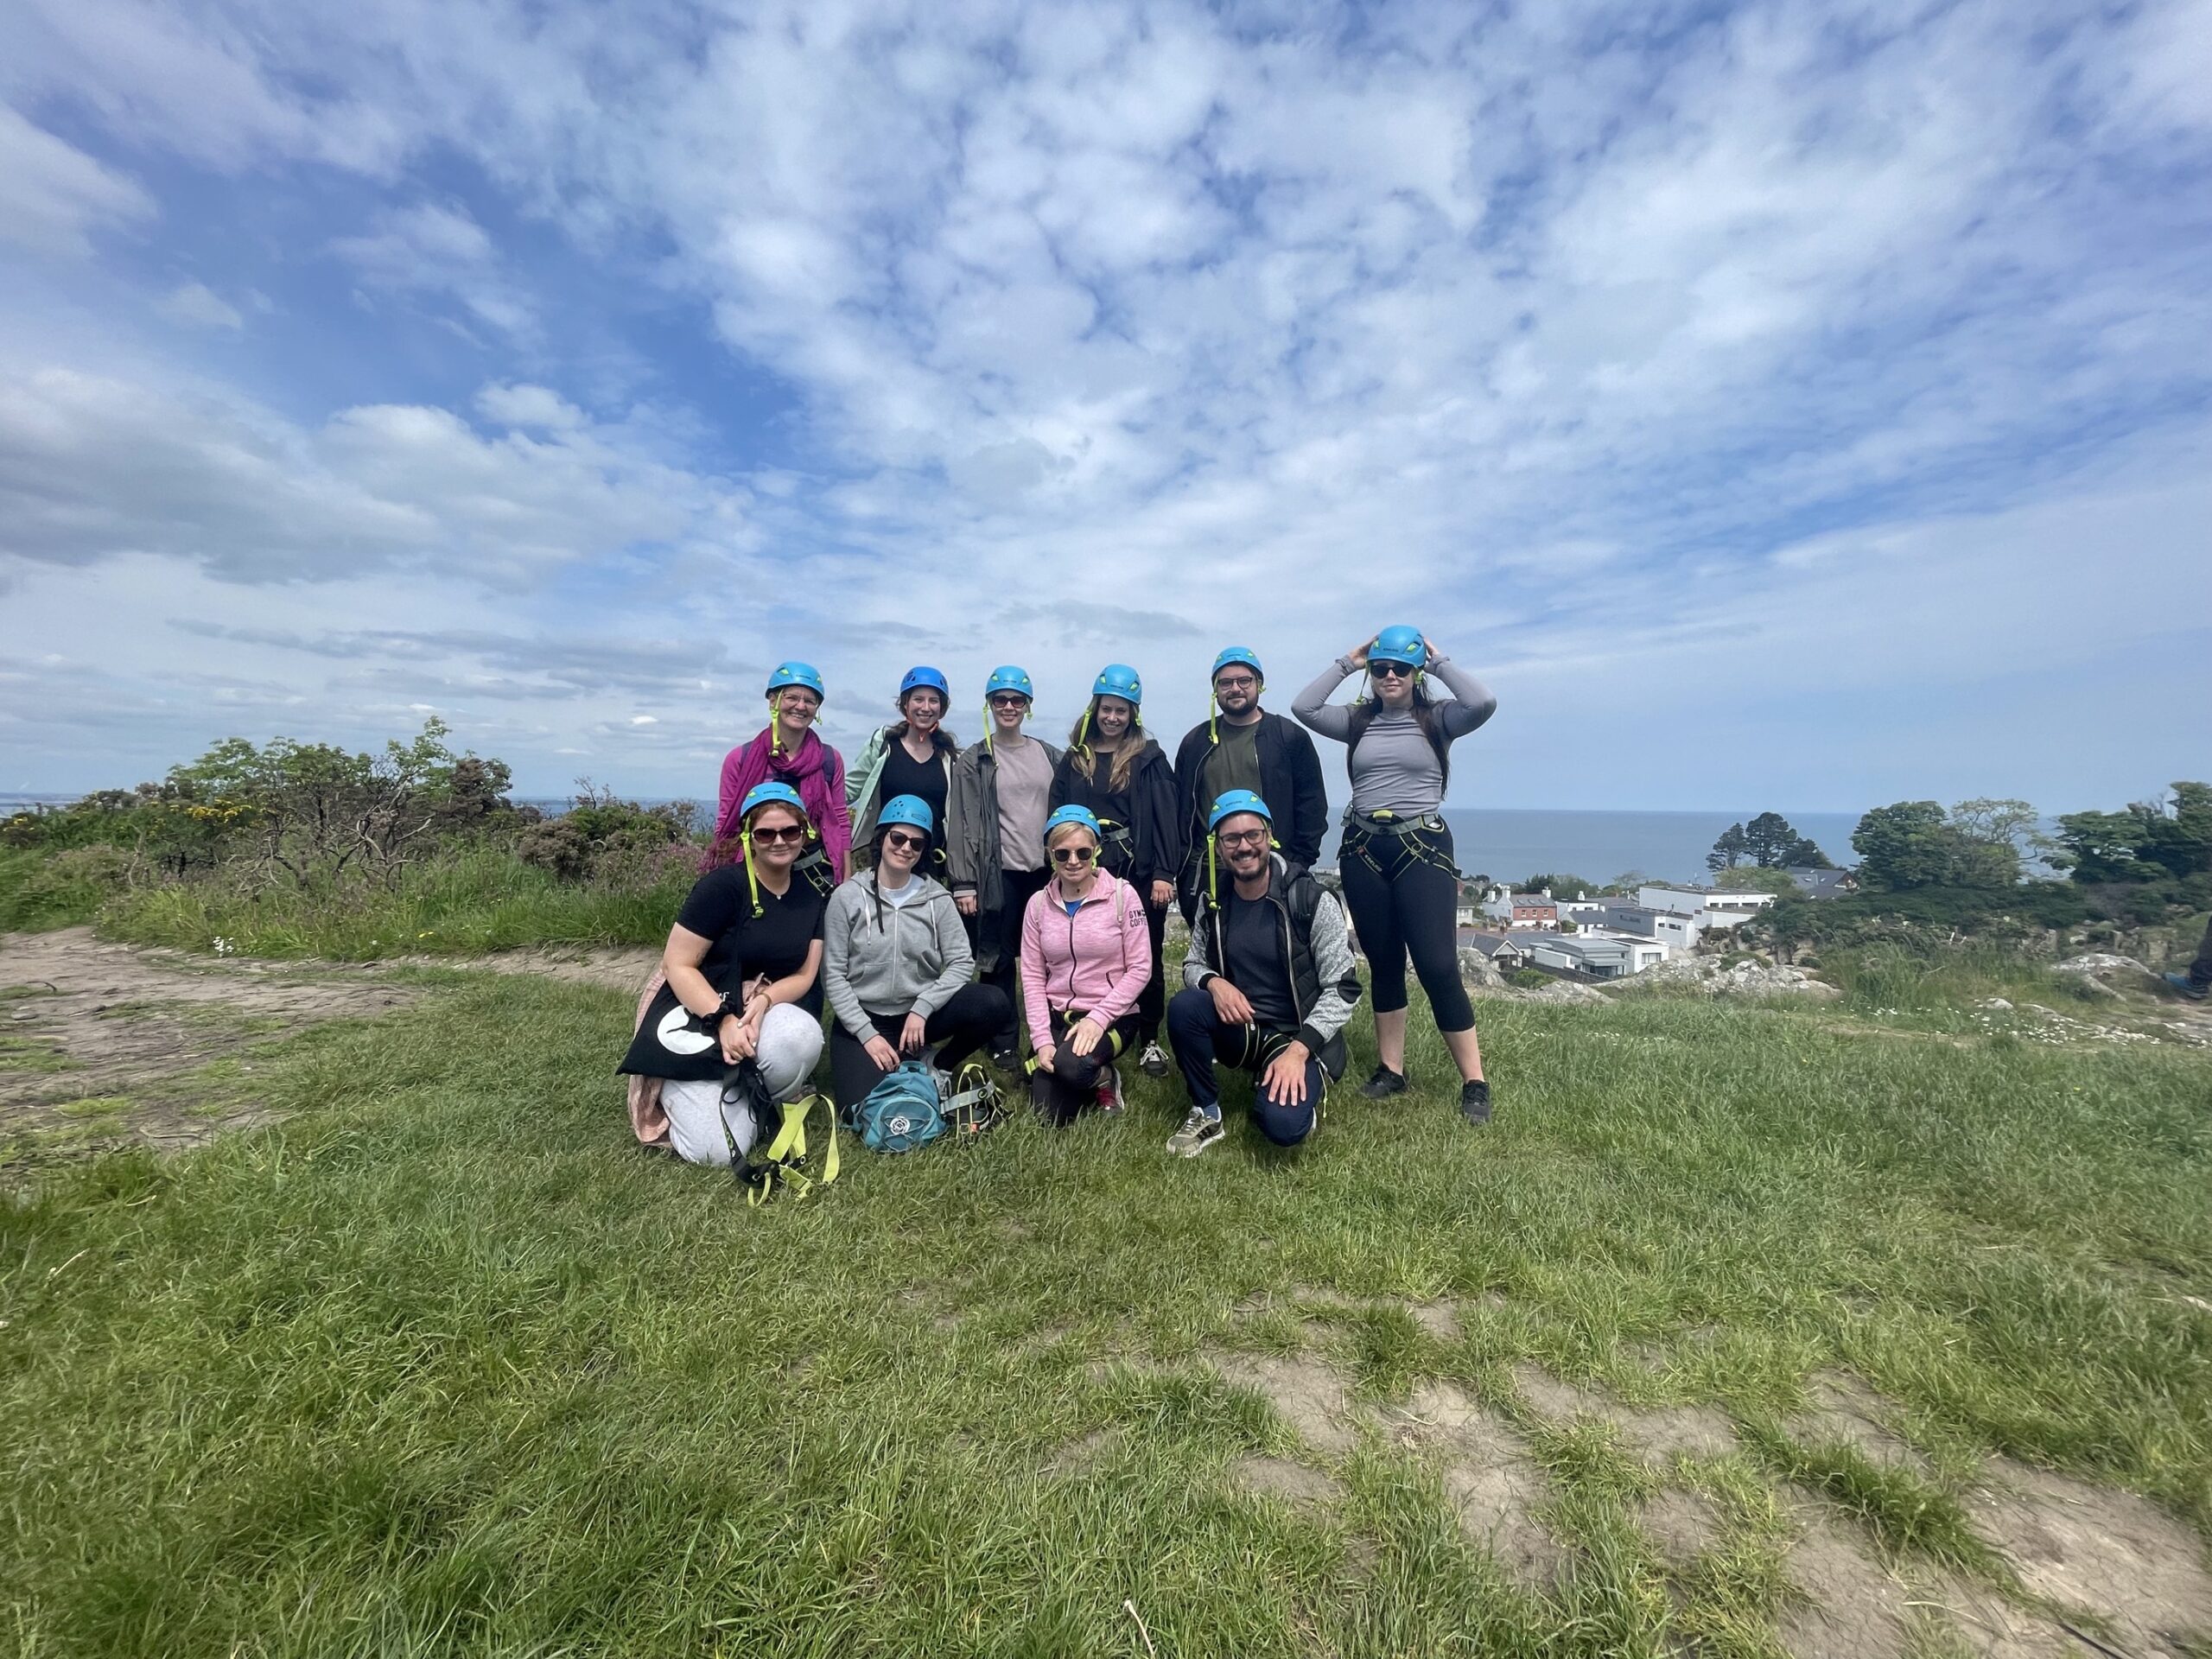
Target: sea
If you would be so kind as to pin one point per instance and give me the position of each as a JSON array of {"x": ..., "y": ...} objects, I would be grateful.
[{"x": 1508, "y": 843}]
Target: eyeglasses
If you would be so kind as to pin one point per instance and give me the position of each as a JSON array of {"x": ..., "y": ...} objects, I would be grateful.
[
  {"x": 1231, "y": 840},
  {"x": 796, "y": 702},
  {"x": 899, "y": 838},
  {"x": 1391, "y": 670},
  {"x": 1235, "y": 682},
  {"x": 775, "y": 835},
  {"x": 1078, "y": 856}
]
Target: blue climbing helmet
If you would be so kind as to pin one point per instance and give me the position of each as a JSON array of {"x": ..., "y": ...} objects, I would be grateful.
[
  {"x": 1244, "y": 654},
  {"x": 762, "y": 795},
  {"x": 1118, "y": 680},
  {"x": 1229, "y": 803},
  {"x": 1074, "y": 814},
  {"x": 1399, "y": 645},
  {"x": 800, "y": 674},
  {"x": 1005, "y": 677},
  {"x": 925, "y": 679},
  {"x": 759, "y": 796},
  {"x": 910, "y": 809}
]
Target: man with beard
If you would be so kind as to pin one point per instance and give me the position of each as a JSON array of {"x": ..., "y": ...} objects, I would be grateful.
[
  {"x": 1241, "y": 748},
  {"x": 1270, "y": 983}
]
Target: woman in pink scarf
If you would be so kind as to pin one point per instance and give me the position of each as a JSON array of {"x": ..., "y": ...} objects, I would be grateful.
[{"x": 788, "y": 751}]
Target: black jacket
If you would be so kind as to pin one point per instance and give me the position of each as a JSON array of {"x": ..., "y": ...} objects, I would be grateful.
[
  {"x": 1146, "y": 810},
  {"x": 1290, "y": 782}
]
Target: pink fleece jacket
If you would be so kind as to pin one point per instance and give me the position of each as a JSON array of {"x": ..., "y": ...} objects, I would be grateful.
[{"x": 1097, "y": 960}]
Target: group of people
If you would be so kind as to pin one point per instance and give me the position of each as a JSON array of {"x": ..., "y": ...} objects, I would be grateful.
[{"x": 948, "y": 902}]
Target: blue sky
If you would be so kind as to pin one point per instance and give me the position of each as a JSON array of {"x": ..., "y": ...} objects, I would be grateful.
[{"x": 1796, "y": 404}]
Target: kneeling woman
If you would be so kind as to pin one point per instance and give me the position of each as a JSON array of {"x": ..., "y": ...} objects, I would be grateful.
[
  {"x": 896, "y": 961},
  {"x": 743, "y": 964},
  {"x": 1085, "y": 956}
]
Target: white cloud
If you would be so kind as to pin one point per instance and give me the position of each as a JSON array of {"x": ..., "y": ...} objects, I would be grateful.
[
  {"x": 435, "y": 248},
  {"x": 198, "y": 306},
  {"x": 1545, "y": 325},
  {"x": 52, "y": 195},
  {"x": 525, "y": 405},
  {"x": 92, "y": 468}
]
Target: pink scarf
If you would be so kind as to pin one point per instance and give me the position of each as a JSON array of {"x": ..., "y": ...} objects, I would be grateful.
[{"x": 814, "y": 769}]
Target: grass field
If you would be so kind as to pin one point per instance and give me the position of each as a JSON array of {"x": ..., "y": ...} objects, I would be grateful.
[{"x": 1733, "y": 1297}]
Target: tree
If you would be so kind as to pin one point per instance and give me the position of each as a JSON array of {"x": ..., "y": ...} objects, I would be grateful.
[
  {"x": 2151, "y": 840},
  {"x": 1905, "y": 844},
  {"x": 1773, "y": 843},
  {"x": 1727, "y": 852},
  {"x": 1805, "y": 854},
  {"x": 1559, "y": 886}
]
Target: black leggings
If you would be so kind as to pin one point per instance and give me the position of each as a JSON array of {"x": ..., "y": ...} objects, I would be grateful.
[
  {"x": 1404, "y": 896},
  {"x": 1016, "y": 888},
  {"x": 1070, "y": 1088},
  {"x": 971, "y": 1017},
  {"x": 1152, "y": 1001}
]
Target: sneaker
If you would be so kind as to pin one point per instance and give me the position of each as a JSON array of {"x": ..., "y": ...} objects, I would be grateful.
[
  {"x": 1109, "y": 1096},
  {"x": 1007, "y": 1058},
  {"x": 1201, "y": 1128},
  {"x": 1384, "y": 1083},
  {"x": 1154, "y": 1061},
  {"x": 2188, "y": 986},
  {"x": 1474, "y": 1101}
]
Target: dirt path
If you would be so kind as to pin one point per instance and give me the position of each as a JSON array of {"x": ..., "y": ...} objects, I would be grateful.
[{"x": 104, "y": 1046}]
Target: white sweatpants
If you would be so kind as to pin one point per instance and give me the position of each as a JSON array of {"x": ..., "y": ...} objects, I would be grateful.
[{"x": 790, "y": 1042}]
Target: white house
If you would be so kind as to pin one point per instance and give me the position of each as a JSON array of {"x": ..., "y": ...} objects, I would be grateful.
[
  {"x": 1595, "y": 954},
  {"x": 1708, "y": 906}
]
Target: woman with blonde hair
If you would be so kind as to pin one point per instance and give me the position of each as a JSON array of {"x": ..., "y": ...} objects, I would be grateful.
[{"x": 1085, "y": 960}]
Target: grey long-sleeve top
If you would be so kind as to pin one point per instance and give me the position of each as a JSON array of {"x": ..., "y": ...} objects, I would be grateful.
[
  {"x": 1393, "y": 767},
  {"x": 909, "y": 960}
]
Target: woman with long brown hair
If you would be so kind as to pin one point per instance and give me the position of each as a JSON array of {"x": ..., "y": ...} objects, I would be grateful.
[
  {"x": 1113, "y": 767},
  {"x": 1401, "y": 882}
]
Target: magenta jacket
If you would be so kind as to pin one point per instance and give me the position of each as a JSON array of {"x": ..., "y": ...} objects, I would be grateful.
[
  {"x": 1097, "y": 960},
  {"x": 816, "y": 770}
]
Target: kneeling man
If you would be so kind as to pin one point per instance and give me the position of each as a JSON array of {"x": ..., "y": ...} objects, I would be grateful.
[{"x": 1271, "y": 981}]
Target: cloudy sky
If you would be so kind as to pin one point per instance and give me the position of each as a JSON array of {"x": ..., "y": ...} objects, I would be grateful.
[{"x": 1800, "y": 403}]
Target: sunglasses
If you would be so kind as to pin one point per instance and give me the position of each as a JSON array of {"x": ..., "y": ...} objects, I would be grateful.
[
  {"x": 899, "y": 838},
  {"x": 1245, "y": 838},
  {"x": 1009, "y": 700},
  {"x": 1076, "y": 856},
  {"x": 1391, "y": 670},
  {"x": 777, "y": 834}
]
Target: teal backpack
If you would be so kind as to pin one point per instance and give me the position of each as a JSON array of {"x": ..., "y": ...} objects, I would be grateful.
[{"x": 902, "y": 1112}]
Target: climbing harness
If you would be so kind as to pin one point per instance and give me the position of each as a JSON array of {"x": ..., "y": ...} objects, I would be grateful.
[{"x": 784, "y": 1163}]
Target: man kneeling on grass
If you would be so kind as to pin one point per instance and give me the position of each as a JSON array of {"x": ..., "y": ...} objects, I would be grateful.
[{"x": 1270, "y": 980}]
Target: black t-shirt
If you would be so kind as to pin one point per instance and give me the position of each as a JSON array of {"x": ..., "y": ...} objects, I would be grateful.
[
  {"x": 1087, "y": 786},
  {"x": 904, "y": 775},
  {"x": 1251, "y": 935},
  {"x": 672, "y": 1043}
]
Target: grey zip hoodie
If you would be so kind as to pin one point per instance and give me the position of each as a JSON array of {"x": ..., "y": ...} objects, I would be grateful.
[{"x": 911, "y": 963}]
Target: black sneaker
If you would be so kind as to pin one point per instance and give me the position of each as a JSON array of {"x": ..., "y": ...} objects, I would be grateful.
[
  {"x": 1153, "y": 1062},
  {"x": 1007, "y": 1058},
  {"x": 1384, "y": 1083},
  {"x": 1474, "y": 1101}
]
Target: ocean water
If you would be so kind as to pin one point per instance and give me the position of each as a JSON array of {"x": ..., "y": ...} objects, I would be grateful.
[{"x": 1510, "y": 844}]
